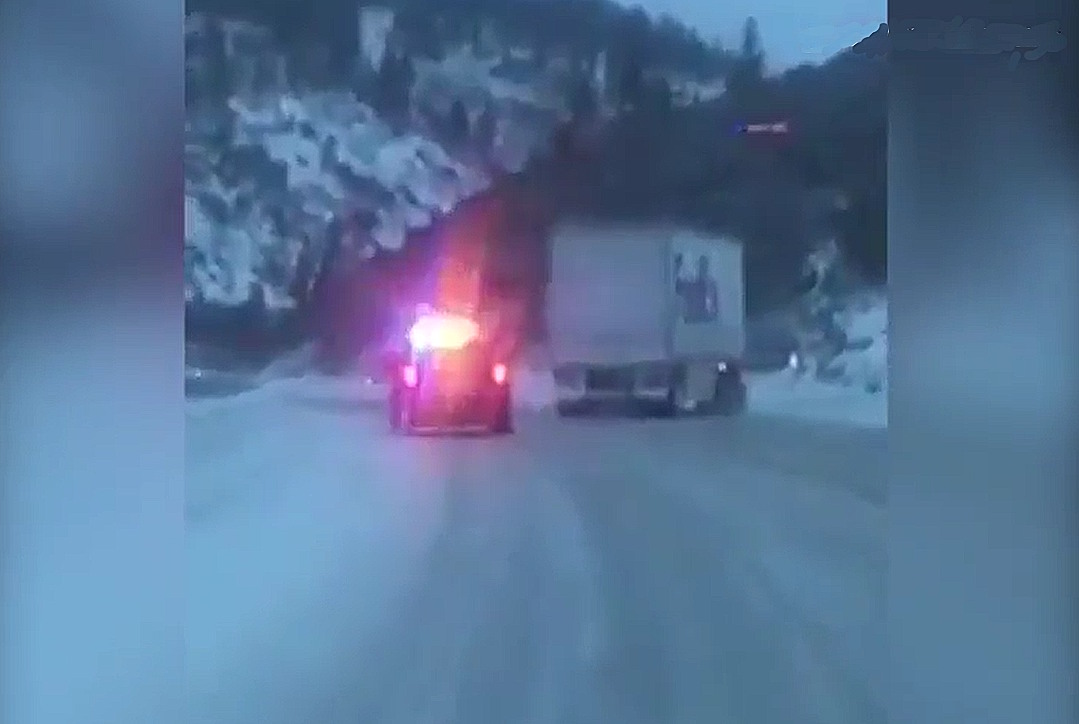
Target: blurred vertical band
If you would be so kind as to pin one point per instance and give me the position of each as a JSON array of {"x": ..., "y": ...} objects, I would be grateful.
[
  {"x": 984, "y": 329},
  {"x": 91, "y": 416}
]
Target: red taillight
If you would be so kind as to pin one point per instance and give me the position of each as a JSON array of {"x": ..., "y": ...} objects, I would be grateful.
[
  {"x": 410, "y": 375},
  {"x": 499, "y": 373}
]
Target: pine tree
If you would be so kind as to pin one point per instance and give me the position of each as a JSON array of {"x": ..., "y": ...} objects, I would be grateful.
[
  {"x": 486, "y": 128},
  {"x": 630, "y": 83},
  {"x": 393, "y": 85},
  {"x": 476, "y": 36},
  {"x": 583, "y": 103},
  {"x": 751, "y": 39},
  {"x": 265, "y": 75},
  {"x": 459, "y": 130},
  {"x": 751, "y": 56},
  {"x": 748, "y": 70},
  {"x": 662, "y": 98},
  {"x": 388, "y": 79},
  {"x": 218, "y": 85},
  {"x": 406, "y": 79}
]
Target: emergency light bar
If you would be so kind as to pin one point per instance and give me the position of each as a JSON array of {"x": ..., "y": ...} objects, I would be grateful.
[{"x": 442, "y": 332}]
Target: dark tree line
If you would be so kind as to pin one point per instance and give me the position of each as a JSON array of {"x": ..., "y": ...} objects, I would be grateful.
[
  {"x": 580, "y": 27},
  {"x": 824, "y": 178},
  {"x": 321, "y": 39}
]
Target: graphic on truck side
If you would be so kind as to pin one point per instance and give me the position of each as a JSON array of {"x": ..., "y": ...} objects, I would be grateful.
[{"x": 698, "y": 291}]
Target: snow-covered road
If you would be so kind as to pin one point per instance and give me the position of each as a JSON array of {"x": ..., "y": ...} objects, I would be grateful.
[{"x": 699, "y": 570}]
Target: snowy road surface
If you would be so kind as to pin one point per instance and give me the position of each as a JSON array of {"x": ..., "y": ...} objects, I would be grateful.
[{"x": 582, "y": 571}]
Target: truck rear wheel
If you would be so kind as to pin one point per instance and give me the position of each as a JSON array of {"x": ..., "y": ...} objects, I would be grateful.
[
  {"x": 730, "y": 396},
  {"x": 677, "y": 402},
  {"x": 569, "y": 408}
]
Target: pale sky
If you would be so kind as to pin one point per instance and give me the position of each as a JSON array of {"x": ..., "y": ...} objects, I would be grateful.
[{"x": 792, "y": 31}]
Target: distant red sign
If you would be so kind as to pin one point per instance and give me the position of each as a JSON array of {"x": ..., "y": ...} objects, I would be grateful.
[{"x": 774, "y": 129}]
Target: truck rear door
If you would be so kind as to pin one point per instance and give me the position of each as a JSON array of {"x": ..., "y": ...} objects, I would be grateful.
[
  {"x": 608, "y": 301},
  {"x": 709, "y": 294}
]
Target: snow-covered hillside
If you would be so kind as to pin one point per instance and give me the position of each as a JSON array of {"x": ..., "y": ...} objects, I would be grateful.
[
  {"x": 527, "y": 105},
  {"x": 337, "y": 156},
  {"x": 259, "y": 204}
]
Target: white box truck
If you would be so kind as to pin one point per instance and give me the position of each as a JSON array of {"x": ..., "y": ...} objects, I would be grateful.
[{"x": 652, "y": 315}]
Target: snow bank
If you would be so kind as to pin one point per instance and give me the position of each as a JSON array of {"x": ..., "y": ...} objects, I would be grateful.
[
  {"x": 289, "y": 366},
  {"x": 360, "y": 389},
  {"x": 206, "y": 377},
  {"x": 854, "y": 388},
  {"x": 865, "y": 363},
  {"x": 782, "y": 393}
]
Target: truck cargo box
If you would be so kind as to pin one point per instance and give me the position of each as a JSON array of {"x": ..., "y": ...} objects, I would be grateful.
[{"x": 623, "y": 294}]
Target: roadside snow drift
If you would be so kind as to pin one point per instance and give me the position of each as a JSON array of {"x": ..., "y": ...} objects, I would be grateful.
[{"x": 855, "y": 390}]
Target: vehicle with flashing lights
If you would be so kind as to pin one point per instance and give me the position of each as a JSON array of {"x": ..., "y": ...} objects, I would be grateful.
[{"x": 451, "y": 377}]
